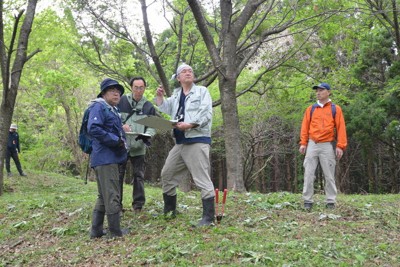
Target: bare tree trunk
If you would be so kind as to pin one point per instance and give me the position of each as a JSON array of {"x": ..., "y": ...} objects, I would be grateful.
[
  {"x": 71, "y": 140},
  {"x": 370, "y": 173},
  {"x": 288, "y": 161},
  {"x": 233, "y": 146},
  {"x": 394, "y": 171},
  {"x": 380, "y": 167},
  {"x": 296, "y": 176},
  {"x": 276, "y": 168},
  {"x": 11, "y": 79},
  {"x": 259, "y": 162},
  {"x": 218, "y": 170},
  {"x": 154, "y": 56},
  {"x": 340, "y": 165},
  {"x": 396, "y": 27}
]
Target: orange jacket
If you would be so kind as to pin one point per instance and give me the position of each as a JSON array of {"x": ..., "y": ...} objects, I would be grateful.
[{"x": 322, "y": 126}]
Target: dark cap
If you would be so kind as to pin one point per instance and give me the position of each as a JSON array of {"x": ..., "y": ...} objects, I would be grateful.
[
  {"x": 322, "y": 86},
  {"x": 107, "y": 83}
]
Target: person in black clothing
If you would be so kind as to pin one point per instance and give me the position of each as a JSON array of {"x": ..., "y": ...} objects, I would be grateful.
[{"x": 12, "y": 150}]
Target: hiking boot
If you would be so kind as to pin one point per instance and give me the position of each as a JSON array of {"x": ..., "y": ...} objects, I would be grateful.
[
  {"x": 208, "y": 212},
  {"x": 308, "y": 206},
  {"x": 9, "y": 174},
  {"x": 23, "y": 174},
  {"x": 97, "y": 230},
  {"x": 114, "y": 221},
  {"x": 330, "y": 206},
  {"x": 169, "y": 206}
]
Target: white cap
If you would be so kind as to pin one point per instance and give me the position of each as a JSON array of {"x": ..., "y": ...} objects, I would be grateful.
[{"x": 14, "y": 126}]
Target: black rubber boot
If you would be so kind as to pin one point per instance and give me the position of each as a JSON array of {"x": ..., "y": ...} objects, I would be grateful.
[
  {"x": 114, "y": 221},
  {"x": 169, "y": 206},
  {"x": 208, "y": 212},
  {"x": 97, "y": 224}
]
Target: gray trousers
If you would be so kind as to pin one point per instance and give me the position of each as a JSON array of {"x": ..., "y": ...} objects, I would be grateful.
[
  {"x": 325, "y": 154},
  {"x": 108, "y": 199},
  {"x": 193, "y": 158}
]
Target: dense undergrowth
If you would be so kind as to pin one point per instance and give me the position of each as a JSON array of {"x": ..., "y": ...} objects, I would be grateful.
[{"x": 45, "y": 221}]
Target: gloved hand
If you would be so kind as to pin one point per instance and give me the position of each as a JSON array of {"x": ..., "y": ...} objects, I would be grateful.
[
  {"x": 144, "y": 138},
  {"x": 121, "y": 142}
]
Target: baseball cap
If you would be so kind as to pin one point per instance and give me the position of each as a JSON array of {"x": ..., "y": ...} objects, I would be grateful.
[{"x": 322, "y": 86}]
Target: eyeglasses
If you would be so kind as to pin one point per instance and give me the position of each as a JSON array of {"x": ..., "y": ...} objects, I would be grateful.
[{"x": 138, "y": 87}]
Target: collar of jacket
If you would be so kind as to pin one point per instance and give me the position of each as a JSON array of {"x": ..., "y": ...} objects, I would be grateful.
[{"x": 135, "y": 103}]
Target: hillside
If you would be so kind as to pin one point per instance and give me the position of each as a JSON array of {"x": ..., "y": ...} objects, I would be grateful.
[{"x": 45, "y": 220}]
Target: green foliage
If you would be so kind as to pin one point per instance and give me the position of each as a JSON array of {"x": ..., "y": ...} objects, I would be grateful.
[
  {"x": 347, "y": 49},
  {"x": 47, "y": 217},
  {"x": 375, "y": 57},
  {"x": 369, "y": 122}
]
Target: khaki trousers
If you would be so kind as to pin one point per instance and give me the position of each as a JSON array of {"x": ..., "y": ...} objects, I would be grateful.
[
  {"x": 325, "y": 154},
  {"x": 184, "y": 158}
]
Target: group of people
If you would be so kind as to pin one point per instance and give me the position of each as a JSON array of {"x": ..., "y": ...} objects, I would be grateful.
[{"x": 117, "y": 140}]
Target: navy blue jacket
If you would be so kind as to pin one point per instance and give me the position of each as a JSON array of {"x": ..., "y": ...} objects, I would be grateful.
[
  {"x": 13, "y": 142},
  {"x": 105, "y": 128}
]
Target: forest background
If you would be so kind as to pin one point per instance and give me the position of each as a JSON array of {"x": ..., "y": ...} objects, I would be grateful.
[{"x": 259, "y": 60}]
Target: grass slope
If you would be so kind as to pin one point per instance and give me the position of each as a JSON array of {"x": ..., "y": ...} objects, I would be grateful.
[{"x": 45, "y": 220}]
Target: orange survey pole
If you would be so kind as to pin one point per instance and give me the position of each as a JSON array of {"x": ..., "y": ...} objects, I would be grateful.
[
  {"x": 216, "y": 201},
  {"x": 220, "y": 215},
  {"x": 224, "y": 200}
]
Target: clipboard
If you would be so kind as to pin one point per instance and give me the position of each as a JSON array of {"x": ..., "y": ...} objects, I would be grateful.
[
  {"x": 157, "y": 123},
  {"x": 134, "y": 134}
]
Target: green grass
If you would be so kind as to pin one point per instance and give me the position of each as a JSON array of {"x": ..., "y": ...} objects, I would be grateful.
[{"x": 45, "y": 221}]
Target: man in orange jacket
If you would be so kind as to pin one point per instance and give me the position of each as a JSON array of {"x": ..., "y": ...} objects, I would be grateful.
[{"x": 320, "y": 142}]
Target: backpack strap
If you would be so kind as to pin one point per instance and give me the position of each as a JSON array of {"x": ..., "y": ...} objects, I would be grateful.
[
  {"x": 312, "y": 110},
  {"x": 333, "y": 107}
]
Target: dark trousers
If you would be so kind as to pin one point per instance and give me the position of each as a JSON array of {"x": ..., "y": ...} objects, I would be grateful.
[
  {"x": 108, "y": 198},
  {"x": 138, "y": 167},
  {"x": 11, "y": 153}
]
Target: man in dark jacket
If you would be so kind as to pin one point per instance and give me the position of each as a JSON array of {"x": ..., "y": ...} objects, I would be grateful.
[
  {"x": 12, "y": 150},
  {"x": 134, "y": 107},
  {"x": 109, "y": 151}
]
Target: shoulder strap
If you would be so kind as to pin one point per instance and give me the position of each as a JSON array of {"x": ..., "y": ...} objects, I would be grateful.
[
  {"x": 129, "y": 115},
  {"x": 148, "y": 108},
  {"x": 133, "y": 110},
  {"x": 312, "y": 110},
  {"x": 333, "y": 107}
]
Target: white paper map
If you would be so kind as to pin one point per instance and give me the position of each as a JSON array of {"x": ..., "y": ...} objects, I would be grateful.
[{"x": 157, "y": 123}]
